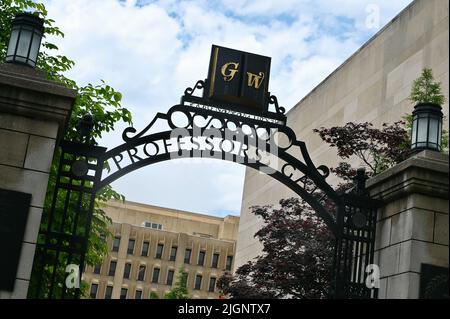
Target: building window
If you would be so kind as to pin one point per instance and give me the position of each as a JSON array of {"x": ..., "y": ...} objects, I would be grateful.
[
  {"x": 123, "y": 293},
  {"x": 185, "y": 278},
  {"x": 97, "y": 269},
  {"x": 155, "y": 277},
  {"x": 141, "y": 273},
  {"x": 93, "y": 293},
  {"x": 215, "y": 261},
  {"x": 173, "y": 253},
  {"x": 130, "y": 249},
  {"x": 201, "y": 258},
  {"x": 138, "y": 294},
  {"x": 170, "y": 275},
  {"x": 229, "y": 262},
  {"x": 212, "y": 284},
  {"x": 153, "y": 225},
  {"x": 198, "y": 282},
  {"x": 108, "y": 292},
  {"x": 145, "y": 247},
  {"x": 187, "y": 256},
  {"x": 112, "y": 268},
  {"x": 159, "y": 251},
  {"x": 127, "y": 270},
  {"x": 116, "y": 244}
]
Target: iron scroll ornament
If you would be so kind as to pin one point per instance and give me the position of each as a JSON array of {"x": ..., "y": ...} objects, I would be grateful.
[{"x": 303, "y": 177}]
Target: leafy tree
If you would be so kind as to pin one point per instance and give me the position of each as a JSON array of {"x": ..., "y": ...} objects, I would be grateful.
[
  {"x": 101, "y": 101},
  {"x": 298, "y": 248},
  {"x": 426, "y": 90},
  {"x": 297, "y": 256},
  {"x": 179, "y": 290},
  {"x": 378, "y": 149},
  {"x": 154, "y": 295}
]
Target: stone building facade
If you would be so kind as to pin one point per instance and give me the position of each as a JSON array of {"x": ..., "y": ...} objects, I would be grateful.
[
  {"x": 372, "y": 85},
  {"x": 150, "y": 244},
  {"x": 412, "y": 242},
  {"x": 33, "y": 115}
]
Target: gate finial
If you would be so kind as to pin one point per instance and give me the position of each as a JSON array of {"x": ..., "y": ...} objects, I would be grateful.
[
  {"x": 360, "y": 180},
  {"x": 85, "y": 127}
]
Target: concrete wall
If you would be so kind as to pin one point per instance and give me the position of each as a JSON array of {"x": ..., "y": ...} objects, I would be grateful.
[
  {"x": 372, "y": 85},
  {"x": 32, "y": 112},
  {"x": 412, "y": 227}
]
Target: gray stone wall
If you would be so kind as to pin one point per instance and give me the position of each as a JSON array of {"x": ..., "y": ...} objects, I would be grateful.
[
  {"x": 33, "y": 114},
  {"x": 412, "y": 227}
]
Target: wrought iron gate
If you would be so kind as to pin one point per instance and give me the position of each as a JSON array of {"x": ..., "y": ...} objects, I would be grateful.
[
  {"x": 355, "y": 243},
  {"x": 65, "y": 230}
]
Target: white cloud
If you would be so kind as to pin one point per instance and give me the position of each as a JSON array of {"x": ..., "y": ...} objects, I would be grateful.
[{"x": 152, "y": 50}]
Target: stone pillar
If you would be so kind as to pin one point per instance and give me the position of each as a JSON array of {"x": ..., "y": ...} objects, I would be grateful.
[
  {"x": 412, "y": 227},
  {"x": 33, "y": 115}
]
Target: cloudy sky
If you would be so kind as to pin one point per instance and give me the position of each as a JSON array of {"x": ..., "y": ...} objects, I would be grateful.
[{"x": 152, "y": 50}]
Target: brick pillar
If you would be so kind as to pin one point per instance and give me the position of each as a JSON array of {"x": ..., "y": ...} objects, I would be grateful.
[
  {"x": 33, "y": 116},
  {"x": 412, "y": 227}
]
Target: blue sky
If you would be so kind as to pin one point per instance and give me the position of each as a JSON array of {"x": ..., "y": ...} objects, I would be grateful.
[{"x": 152, "y": 50}]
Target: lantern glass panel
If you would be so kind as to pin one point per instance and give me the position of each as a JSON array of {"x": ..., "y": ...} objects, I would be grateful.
[
  {"x": 433, "y": 132},
  {"x": 414, "y": 132},
  {"x": 24, "y": 45},
  {"x": 439, "y": 133},
  {"x": 12, "y": 42},
  {"x": 35, "y": 48},
  {"x": 422, "y": 133}
]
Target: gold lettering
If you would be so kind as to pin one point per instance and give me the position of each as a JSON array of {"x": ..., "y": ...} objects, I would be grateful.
[
  {"x": 228, "y": 76},
  {"x": 255, "y": 79}
]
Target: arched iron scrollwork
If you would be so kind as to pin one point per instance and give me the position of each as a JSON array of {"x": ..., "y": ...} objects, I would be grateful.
[
  {"x": 260, "y": 140},
  {"x": 279, "y": 109},
  {"x": 302, "y": 176},
  {"x": 190, "y": 91}
]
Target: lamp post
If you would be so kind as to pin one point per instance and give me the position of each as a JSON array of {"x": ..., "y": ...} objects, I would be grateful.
[
  {"x": 26, "y": 35},
  {"x": 426, "y": 130}
]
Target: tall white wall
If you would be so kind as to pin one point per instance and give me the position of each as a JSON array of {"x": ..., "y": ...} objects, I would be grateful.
[{"x": 372, "y": 85}]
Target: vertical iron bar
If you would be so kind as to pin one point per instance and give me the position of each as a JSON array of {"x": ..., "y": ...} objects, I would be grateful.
[
  {"x": 61, "y": 231},
  {"x": 90, "y": 212},
  {"x": 373, "y": 235},
  {"x": 338, "y": 293},
  {"x": 75, "y": 223},
  {"x": 50, "y": 224},
  {"x": 360, "y": 256},
  {"x": 87, "y": 233},
  {"x": 355, "y": 233}
]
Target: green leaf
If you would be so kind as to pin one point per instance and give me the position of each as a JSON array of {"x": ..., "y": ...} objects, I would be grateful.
[{"x": 117, "y": 96}]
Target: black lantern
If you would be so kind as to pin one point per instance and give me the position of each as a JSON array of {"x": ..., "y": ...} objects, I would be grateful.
[
  {"x": 26, "y": 36},
  {"x": 426, "y": 130}
]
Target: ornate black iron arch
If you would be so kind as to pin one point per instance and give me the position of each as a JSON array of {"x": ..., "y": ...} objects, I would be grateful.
[
  {"x": 302, "y": 177},
  {"x": 259, "y": 139},
  {"x": 305, "y": 179}
]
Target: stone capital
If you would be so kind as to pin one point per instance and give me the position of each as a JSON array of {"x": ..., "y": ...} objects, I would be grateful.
[{"x": 26, "y": 92}]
